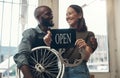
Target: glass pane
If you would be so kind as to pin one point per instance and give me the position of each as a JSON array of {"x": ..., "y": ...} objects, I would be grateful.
[
  {"x": 1, "y": 55},
  {"x": 6, "y": 24},
  {"x": 33, "y": 2},
  {"x": 12, "y": 72},
  {"x": 16, "y": 1},
  {"x": 5, "y": 39},
  {"x": 15, "y": 25},
  {"x": 95, "y": 16},
  {"x": 11, "y": 35},
  {"x": 1, "y": 5},
  {"x": 8, "y": 0},
  {"x": 32, "y": 22},
  {"x": 100, "y": 60}
]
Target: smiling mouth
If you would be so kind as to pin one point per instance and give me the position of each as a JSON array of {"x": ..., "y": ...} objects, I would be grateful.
[{"x": 69, "y": 20}]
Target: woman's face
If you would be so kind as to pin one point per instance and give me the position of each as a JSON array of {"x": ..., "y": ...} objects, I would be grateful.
[{"x": 72, "y": 17}]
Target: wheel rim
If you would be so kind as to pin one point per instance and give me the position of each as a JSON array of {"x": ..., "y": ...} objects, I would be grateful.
[
  {"x": 74, "y": 58},
  {"x": 45, "y": 63}
]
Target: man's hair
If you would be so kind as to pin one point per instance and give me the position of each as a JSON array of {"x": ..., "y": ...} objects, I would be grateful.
[{"x": 37, "y": 11}]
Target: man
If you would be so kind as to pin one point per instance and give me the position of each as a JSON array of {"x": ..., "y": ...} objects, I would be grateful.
[{"x": 33, "y": 37}]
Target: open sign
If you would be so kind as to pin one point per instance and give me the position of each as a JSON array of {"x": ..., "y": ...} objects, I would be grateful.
[{"x": 63, "y": 38}]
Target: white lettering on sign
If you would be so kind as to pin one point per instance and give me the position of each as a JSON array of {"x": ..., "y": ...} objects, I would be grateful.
[{"x": 64, "y": 38}]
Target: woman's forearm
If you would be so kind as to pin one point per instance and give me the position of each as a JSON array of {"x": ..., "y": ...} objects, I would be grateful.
[{"x": 88, "y": 52}]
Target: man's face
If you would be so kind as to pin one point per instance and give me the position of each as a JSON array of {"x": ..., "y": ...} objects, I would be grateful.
[{"x": 46, "y": 17}]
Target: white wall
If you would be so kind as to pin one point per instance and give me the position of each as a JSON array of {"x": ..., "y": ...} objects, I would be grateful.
[
  {"x": 113, "y": 15},
  {"x": 117, "y": 31},
  {"x": 111, "y": 38}
]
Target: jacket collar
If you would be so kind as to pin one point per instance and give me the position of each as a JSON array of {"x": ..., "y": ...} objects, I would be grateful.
[{"x": 39, "y": 30}]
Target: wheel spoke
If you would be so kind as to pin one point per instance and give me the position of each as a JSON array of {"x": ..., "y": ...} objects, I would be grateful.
[{"x": 45, "y": 63}]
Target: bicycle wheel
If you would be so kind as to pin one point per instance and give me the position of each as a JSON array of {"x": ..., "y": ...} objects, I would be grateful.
[{"x": 45, "y": 63}]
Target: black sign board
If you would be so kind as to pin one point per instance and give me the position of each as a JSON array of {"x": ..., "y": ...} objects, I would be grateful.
[{"x": 63, "y": 38}]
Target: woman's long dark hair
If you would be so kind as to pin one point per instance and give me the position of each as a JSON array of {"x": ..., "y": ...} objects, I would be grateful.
[{"x": 81, "y": 22}]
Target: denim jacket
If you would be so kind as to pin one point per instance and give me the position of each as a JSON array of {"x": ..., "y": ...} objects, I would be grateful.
[{"x": 32, "y": 37}]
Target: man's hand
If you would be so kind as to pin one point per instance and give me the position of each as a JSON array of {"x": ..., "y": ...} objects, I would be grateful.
[
  {"x": 26, "y": 71},
  {"x": 47, "y": 38}
]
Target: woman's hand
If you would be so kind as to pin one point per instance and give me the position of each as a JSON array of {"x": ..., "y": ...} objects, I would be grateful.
[
  {"x": 80, "y": 43},
  {"x": 47, "y": 38}
]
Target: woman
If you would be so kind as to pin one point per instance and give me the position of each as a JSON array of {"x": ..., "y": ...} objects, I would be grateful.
[{"x": 84, "y": 39}]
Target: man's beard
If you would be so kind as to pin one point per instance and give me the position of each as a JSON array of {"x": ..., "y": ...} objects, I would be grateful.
[{"x": 48, "y": 23}]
